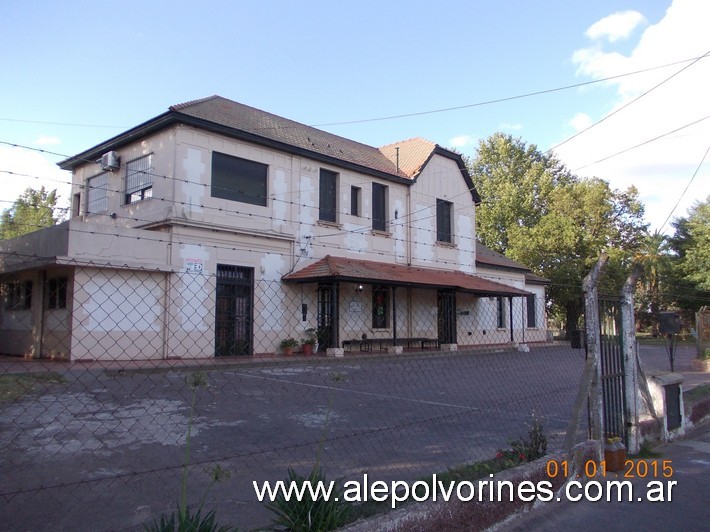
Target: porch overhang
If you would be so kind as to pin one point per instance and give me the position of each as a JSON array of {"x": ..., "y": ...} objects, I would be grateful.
[{"x": 332, "y": 268}]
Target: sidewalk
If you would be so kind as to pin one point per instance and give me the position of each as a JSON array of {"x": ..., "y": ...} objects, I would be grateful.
[{"x": 689, "y": 508}]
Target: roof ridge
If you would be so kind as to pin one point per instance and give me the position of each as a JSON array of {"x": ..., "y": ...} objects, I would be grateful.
[{"x": 190, "y": 103}]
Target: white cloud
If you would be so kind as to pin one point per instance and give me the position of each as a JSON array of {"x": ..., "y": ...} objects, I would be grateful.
[
  {"x": 581, "y": 121},
  {"x": 462, "y": 141},
  {"x": 47, "y": 140},
  {"x": 661, "y": 169},
  {"x": 616, "y": 26},
  {"x": 507, "y": 126},
  {"x": 21, "y": 169}
]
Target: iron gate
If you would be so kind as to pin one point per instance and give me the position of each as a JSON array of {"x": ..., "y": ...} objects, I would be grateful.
[{"x": 613, "y": 373}]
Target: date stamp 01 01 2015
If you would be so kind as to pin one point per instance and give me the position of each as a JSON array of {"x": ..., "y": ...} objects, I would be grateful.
[{"x": 641, "y": 469}]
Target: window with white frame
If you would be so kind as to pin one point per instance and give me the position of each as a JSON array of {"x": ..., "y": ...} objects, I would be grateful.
[
  {"x": 57, "y": 292},
  {"x": 18, "y": 295},
  {"x": 531, "y": 310},
  {"x": 327, "y": 195},
  {"x": 97, "y": 193},
  {"x": 379, "y": 207},
  {"x": 443, "y": 220},
  {"x": 138, "y": 183},
  {"x": 500, "y": 312}
]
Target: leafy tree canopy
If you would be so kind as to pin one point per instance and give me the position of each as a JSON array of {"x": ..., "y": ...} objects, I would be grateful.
[
  {"x": 692, "y": 242},
  {"x": 32, "y": 210},
  {"x": 538, "y": 213}
]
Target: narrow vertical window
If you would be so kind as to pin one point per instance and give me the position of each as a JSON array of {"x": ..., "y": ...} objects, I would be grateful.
[
  {"x": 97, "y": 194},
  {"x": 500, "y": 312},
  {"x": 327, "y": 196},
  {"x": 379, "y": 207},
  {"x": 443, "y": 220},
  {"x": 532, "y": 315},
  {"x": 76, "y": 204},
  {"x": 355, "y": 201},
  {"x": 380, "y": 307}
]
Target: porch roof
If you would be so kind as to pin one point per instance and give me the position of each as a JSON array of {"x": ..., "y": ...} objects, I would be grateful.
[{"x": 333, "y": 268}]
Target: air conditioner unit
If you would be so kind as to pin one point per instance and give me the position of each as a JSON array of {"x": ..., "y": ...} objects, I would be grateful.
[{"x": 110, "y": 161}]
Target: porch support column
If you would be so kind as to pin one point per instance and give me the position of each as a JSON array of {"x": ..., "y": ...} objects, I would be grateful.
[
  {"x": 510, "y": 310},
  {"x": 394, "y": 314}
]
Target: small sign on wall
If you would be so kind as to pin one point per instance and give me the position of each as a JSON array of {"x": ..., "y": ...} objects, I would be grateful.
[
  {"x": 194, "y": 265},
  {"x": 355, "y": 306}
]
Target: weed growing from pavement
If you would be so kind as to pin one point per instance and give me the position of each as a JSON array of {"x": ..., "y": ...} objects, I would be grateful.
[
  {"x": 14, "y": 385},
  {"x": 309, "y": 513},
  {"x": 646, "y": 451},
  {"x": 184, "y": 519},
  {"x": 533, "y": 446}
]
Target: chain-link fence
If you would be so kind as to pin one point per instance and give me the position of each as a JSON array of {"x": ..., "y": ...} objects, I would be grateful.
[{"x": 114, "y": 378}]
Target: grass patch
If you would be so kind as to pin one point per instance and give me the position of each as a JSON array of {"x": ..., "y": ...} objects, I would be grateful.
[
  {"x": 646, "y": 451},
  {"x": 698, "y": 392},
  {"x": 15, "y": 385}
]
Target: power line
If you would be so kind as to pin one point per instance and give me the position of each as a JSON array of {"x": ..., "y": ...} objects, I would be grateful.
[
  {"x": 616, "y": 111},
  {"x": 505, "y": 99},
  {"x": 642, "y": 143},
  {"x": 686, "y": 189}
]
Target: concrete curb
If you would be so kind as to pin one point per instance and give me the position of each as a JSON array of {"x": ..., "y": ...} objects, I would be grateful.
[{"x": 484, "y": 514}]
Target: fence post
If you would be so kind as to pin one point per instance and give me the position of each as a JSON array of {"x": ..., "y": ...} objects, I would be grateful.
[
  {"x": 591, "y": 319},
  {"x": 628, "y": 326}
]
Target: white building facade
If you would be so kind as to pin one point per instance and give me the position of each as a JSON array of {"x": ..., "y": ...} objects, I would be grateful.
[{"x": 216, "y": 229}]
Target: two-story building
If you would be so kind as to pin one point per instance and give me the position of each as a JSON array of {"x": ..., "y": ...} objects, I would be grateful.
[{"x": 217, "y": 229}]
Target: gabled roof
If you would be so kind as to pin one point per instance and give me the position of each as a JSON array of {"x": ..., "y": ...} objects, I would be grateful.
[
  {"x": 487, "y": 258},
  {"x": 411, "y": 156},
  {"x": 333, "y": 268},
  {"x": 240, "y": 121}
]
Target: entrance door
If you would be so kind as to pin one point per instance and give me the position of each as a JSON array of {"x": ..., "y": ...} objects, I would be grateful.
[
  {"x": 233, "y": 314},
  {"x": 446, "y": 316},
  {"x": 327, "y": 316}
]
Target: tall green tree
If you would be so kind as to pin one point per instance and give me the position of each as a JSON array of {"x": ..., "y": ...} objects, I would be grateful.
[
  {"x": 694, "y": 241},
  {"x": 32, "y": 210},
  {"x": 515, "y": 181},
  {"x": 538, "y": 213}
]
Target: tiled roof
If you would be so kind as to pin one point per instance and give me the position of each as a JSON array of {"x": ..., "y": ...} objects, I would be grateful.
[
  {"x": 413, "y": 154},
  {"x": 367, "y": 271},
  {"x": 487, "y": 257},
  {"x": 240, "y": 117}
]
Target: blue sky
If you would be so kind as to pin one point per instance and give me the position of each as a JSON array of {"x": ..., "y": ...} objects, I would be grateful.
[{"x": 77, "y": 73}]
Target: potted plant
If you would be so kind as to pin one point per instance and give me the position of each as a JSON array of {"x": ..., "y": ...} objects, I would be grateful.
[
  {"x": 287, "y": 346},
  {"x": 309, "y": 341}
]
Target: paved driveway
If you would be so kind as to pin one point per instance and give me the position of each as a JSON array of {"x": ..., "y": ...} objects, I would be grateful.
[{"x": 103, "y": 451}]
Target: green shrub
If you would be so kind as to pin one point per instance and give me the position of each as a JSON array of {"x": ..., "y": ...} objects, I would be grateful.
[
  {"x": 309, "y": 514},
  {"x": 184, "y": 521},
  {"x": 534, "y": 446}
]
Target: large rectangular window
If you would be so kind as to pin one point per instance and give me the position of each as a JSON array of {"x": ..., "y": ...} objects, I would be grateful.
[
  {"x": 138, "y": 184},
  {"x": 532, "y": 315},
  {"x": 380, "y": 307},
  {"x": 18, "y": 295},
  {"x": 97, "y": 194},
  {"x": 443, "y": 220},
  {"x": 237, "y": 179},
  {"x": 327, "y": 196},
  {"x": 379, "y": 207}
]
